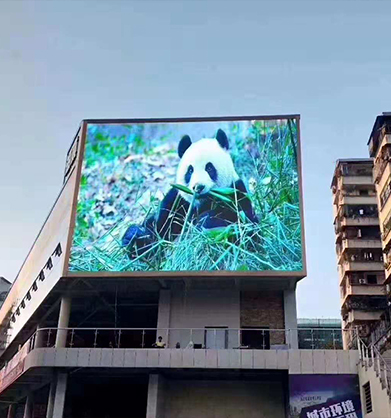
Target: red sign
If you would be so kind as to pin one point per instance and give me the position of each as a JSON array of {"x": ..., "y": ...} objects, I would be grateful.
[{"x": 12, "y": 375}]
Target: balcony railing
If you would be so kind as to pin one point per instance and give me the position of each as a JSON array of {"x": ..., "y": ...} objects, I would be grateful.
[
  {"x": 173, "y": 338},
  {"x": 379, "y": 168},
  {"x": 360, "y": 290},
  {"x": 381, "y": 161},
  {"x": 356, "y": 170},
  {"x": 191, "y": 338},
  {"x": 357, "y": 211}
]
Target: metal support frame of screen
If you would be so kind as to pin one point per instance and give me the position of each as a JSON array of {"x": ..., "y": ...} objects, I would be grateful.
[{"x": 182, "y": 274}]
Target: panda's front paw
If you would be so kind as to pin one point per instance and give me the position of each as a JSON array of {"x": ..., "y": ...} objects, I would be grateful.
[
  {"x": 131, "y": 235},
  {"x": 137, "y": 240}
]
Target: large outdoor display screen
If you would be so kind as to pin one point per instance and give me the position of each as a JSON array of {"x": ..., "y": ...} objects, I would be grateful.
[{"x": 190, "y": 196}]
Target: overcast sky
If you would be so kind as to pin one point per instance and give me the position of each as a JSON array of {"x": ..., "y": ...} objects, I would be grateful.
[{"x": 61, "y": 62}]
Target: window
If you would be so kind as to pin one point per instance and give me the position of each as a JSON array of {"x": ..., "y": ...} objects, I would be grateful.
[
  {"x": 216, "y": 337},
  {"x": 367, "y": 398},
  {"x": 363, "y": 192},
  {"x": 387, "y": 225},
  {"x": 352, "y": 211},
  {"x": 255, "y": 338},
  {"x": 385, "y": 193},
  {"x": 368, "y": 256},
  {"x": 371, "y": 278}
]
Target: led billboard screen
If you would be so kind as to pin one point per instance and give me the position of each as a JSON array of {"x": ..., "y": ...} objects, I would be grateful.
[{"x": 190, "y": 195}]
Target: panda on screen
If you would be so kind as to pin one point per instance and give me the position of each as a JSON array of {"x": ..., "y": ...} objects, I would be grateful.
[{"x": 208, "y": 194}]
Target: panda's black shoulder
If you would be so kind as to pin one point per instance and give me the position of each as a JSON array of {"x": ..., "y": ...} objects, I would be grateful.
[
  {"x": 169, "y": 199},
  {"x": 240, "y": 186},
  {"x": 171, "y": 213},
  {"x": 173, "y": 202}
]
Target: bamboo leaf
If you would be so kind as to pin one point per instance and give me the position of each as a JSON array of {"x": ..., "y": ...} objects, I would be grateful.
[
  {"x": 221, "y": 197},
  {"x": 225, "y": 191},
  {"x": 182, "y": 188}
]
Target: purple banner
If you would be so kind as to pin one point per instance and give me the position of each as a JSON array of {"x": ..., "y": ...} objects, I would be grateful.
[{"x": 324, "y": 396}]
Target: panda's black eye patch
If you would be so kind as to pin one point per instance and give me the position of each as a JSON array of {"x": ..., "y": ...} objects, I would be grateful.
[
  {"x": 211, "y": 170},
  {"x": 188, "y": 174}
]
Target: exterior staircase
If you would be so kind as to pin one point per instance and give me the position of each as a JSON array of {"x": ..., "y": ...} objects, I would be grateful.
[
  {"x": 370, "y": 357},
  {"x": 374, "y": 372}
]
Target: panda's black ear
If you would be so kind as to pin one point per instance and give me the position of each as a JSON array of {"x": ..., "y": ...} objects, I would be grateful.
[
  {"x": 222, "y": 139},
  {"x": 184, "y": 144}
]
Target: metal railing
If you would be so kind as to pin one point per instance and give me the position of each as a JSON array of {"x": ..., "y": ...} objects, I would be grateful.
[
  {"x": 218, "y": 338},
  {"x": 381, "y": 333},
  {"x": 176, "y": 338},
  {"x": 381, "y": 162},
  {"x": 260, "y": 338},
  {"x": 370, "y": 357}
]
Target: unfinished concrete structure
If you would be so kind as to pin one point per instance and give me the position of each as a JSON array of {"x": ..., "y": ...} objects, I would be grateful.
[{"x": 81, "y": 345}]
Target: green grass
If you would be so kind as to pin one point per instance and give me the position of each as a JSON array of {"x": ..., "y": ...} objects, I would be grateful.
[{"x": 265, "y": 157}]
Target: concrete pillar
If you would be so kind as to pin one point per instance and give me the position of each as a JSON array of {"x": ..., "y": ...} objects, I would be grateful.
[
  {"x": 290, "y": 316},
  {"x": 155, "y": 402},
  {"x": 39, "y": 338},
  {"x": 63, "y": 321},
  {"x": 164, "y": 313},
  {"x": 347, "y": 337},
  {"x": 11, "y": 410},
  {"x": 52, "y": 393},
  {"x": 59, "y": 397},
  {"x": 28, "y": 407}
]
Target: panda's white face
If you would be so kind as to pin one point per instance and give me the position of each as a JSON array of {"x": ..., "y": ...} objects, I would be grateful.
[{"x": 205, "y": 165}]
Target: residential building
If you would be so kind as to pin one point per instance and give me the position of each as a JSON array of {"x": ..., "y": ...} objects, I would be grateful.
[
  {"x": 358, "y": 247},
  {"x": 375, "y": 353},
  {"x": 379, "y": 146},
  {"x": 5, "y": 286},
  {"x": 380, "y": 150}
]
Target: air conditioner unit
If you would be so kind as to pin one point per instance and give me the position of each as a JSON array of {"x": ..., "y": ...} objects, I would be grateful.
[{"x": 361, "y": 281}]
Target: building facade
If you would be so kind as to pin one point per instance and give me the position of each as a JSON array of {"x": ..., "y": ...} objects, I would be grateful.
[
  {"x": 94, "y": 344},
  {"x": 379, "y": 145},
  {"x": 5, "y": 286},
  {"x": 375, "y": 370},
  {"x": 318, "y": 334},
  {"x": 375, "y": 343},
  {"x": 358, "y": 247}
]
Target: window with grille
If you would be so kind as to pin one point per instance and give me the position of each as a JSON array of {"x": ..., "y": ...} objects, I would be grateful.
[
  {"x": 367, "y": 398},
  {"x": 387, "y": 225},
  {"x": 385, "y": 193}
]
